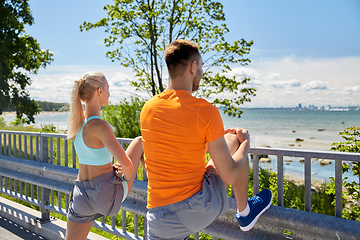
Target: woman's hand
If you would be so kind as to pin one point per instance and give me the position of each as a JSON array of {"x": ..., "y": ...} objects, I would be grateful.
[{"x": 117, "y": 170}]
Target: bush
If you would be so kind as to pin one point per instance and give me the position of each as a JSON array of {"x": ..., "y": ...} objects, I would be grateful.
[
  {"x": 351, "y": 194},
  {"x": 294, "y": 194},
  {"x": 2, "y": 122},
  {"x": 124, "y": 117},
  {"x": 50, "y": 128},
  {"x": 18, "y": 122}
]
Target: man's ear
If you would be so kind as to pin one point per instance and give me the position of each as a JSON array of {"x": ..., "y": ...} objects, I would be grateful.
[{"x": 192, "y": 67}]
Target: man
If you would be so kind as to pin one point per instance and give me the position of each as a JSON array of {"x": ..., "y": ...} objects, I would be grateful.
[{"x": 184, "y": 193}]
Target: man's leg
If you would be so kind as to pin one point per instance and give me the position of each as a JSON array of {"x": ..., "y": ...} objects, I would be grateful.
[
  {"x": 249, "y": 210},
  {"x": 136, "y": 154},
  {"x": 241, "y": 185}
]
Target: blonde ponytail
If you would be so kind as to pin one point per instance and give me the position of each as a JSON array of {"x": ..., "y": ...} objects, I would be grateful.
[{"x": 82, "y": 91}]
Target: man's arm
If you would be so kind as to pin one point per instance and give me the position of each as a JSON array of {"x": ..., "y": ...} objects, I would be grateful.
[{"x": 229, "y": 167}]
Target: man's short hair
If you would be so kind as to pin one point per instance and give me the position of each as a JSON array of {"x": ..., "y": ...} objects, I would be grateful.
[{"x": 180, "y": 52}]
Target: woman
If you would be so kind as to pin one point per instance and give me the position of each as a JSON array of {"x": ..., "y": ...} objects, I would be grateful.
[{"x": 100, "y": 187}]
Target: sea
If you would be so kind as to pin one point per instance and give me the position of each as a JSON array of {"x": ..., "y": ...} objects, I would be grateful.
[{"x": 274, "y": 128}]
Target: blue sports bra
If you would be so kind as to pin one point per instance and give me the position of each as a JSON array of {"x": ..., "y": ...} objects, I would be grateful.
[{"x": 87, "y": 155}]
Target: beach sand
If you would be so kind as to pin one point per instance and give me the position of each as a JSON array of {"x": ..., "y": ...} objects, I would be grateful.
[
  {"x": 6, "y": 114},
  {"x": 315, "y": 184},
  {"x": 289, "y": 143}
]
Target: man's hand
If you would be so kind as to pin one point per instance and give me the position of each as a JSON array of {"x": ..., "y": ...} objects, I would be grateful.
[{"x": 242, "y": 134}]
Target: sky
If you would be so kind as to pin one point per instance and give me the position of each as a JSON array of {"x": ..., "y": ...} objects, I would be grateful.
[{"x": 304, "y": 51}]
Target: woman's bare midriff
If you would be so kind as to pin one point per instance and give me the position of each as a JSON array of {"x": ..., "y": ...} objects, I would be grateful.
[{"x": 89, "y": 172}]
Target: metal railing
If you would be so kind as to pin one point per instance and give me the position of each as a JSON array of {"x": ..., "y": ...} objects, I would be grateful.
[{"x": 36, "y": 168}]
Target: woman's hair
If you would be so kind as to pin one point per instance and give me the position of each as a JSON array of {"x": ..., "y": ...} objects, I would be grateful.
[{"x": 83, "y": 90}]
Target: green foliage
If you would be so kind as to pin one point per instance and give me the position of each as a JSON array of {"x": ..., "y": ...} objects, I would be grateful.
[
  {"x": 2, "y": 122},
  {"x": 351, "y": 194},
  {"x": 124, "y": 117},
  {"x": 20, "y": 54},
  {"x": 140, "y": 30},
  {"x": 294, "y": 194},
  {"x": 18, "y": 122},
  {"x": 49, "y": 128},
  {"x": 51, "y": 106},
  {"x": 352, "y": 141}
]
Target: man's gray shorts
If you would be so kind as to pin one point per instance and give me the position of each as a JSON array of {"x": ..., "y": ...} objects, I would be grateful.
[
  {"x": 181, "y": 219},
  {"x": 99, "y": 197}
]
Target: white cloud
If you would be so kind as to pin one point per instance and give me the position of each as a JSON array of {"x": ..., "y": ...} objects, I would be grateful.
[
  {"x": 255, "y": 82},
  {"x": 241, "y": 72},
  {"x": 351, "y": 89},
  {"x": 273, "y": 76},
  {"x": 315, "y": 85},
  {"x": 282, "y": 84},
  {"x": 276, "y": 84}
]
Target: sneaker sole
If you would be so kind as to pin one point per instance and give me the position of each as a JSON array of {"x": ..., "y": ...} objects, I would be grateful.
[{"x": 250, "y": 226}]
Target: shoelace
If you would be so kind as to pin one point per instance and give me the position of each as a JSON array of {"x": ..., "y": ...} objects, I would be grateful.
[{"x": 255, "y": 200}]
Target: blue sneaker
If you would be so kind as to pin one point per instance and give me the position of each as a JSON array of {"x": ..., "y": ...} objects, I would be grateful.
[{"x": 258, "y": 205}]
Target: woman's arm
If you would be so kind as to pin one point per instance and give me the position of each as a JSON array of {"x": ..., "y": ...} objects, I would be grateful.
[{"x": 107, "y": 136}]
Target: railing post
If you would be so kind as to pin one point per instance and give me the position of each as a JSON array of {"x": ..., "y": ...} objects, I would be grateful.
[
  {"x": 5, "y": 152},
  {"x": 44, "y": 157},
  {"x": 280, "y": 176},
  {"x": 9, "y": 144},
  {"x": 73, "y": 154},
  {"x": 308, "y": 184},
  {"x": 66, "y": 152},
  {"x": 1, "y": 146},
  {"x": 256, "y": 173},
  {"x": 338, "y": 188}
]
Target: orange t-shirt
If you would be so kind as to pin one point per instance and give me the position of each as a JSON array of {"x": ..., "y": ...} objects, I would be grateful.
[{"x": 175, "y": 128}]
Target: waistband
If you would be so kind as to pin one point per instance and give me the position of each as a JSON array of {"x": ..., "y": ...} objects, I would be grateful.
[{"x": 110, "y": 176}]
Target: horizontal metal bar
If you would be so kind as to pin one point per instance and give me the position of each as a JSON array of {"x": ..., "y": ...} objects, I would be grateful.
[
  {"x": 38, "y": 180},
  {"x": 307, "y": 153},
  {"x": 116, "y": 231},
  {"x": 36, "y": 134},
  {"x": 47, "y": 170},
  {"x": 56, "y": 209},
  {"x": 21, "y": 197}
]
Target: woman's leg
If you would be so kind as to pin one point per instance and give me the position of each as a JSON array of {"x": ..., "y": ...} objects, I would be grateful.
[{"x": 77, "y": 231}]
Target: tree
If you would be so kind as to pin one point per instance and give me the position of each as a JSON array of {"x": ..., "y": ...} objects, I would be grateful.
[
  {"x": 124, "y": 117},
  {"x": 141, "y": 29},
  {"x": 20, "y": 54}
]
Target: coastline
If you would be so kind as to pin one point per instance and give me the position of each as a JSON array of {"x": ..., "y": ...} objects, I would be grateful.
[{"x": 13, "y": 113}]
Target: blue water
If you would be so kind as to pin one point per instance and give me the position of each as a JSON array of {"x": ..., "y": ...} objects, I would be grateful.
[{"x": 277, "y": 128}]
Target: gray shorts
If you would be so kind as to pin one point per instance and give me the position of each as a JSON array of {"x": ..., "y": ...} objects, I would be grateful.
[
  {"x": 181, "y": 219},
  {"x": 99, "y": 197}
]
